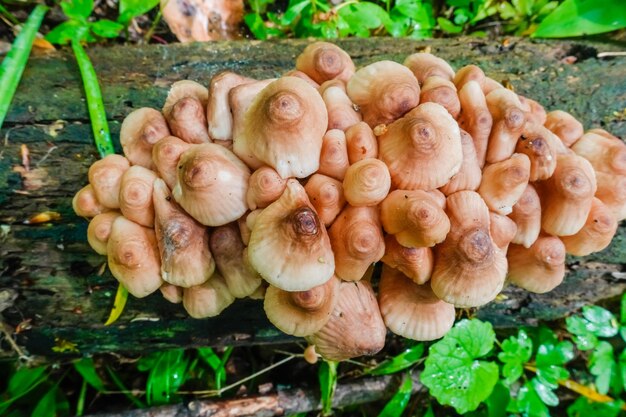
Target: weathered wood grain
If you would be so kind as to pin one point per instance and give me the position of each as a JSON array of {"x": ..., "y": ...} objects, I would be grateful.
[{"x": 54, "y": 273}]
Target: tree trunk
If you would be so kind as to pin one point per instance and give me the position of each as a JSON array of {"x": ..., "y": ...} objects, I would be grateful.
[{"x": 61, "y": 296}]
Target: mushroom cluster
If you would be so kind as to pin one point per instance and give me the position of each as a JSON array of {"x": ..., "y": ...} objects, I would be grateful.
[{"x": 291, "y": 189}]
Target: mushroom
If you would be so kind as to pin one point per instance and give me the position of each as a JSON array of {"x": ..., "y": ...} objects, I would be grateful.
[
  {"x": 366, "y": 182},
  {"x": 475, "y": 118},
  {"x": 541, "y": 147},
  {"x": 301, "y": 313},
  {"x": 166, "y": 154},
  {"x": 425, "y": 65},
  {"x": 86, "y": 204},
  {"x": 185, "y": 111},
  {"x": 208, "y": 299},
  {"x": 509, "y": 119},
  {"x": 133, "y": 257},
  {"x": 606, "y": 154},
  {"x": 467, "y": 74},
  {"x": 172, "y": 293},
  {"x": 99, "y": 230},
  {"x": 423, "y": 149},
  {"x": 361, "y": 142},
  {"x": 341, "y": 112},
  {"x": 384, "y": 92},
  {"x": 540, "y": 268},
  {"x": 612, "y": 192},
  {"x": 212, "y": 184},
  {"x": 264, "y": 187},
  {"x": 469, "y": 175},
  {"x": 504, "y": 182},
  {"x": 564, "y": 126},
  {"x": 357, "y": 241},
  {"x": 441, "y": 91},
  {"x": 183, "y": 242},
  {"x": 411, "y": 310},
  {"x": 535, "y": 113},
  {"x": 527, "y": 216},
  {"x": 469, "y": 268},
  {"x": 595, "y": 235},
  {"x": 136, "y": 195},
  {"x": 415, "y": 218},
  {"x": 323, "y": 61},
  {"x": 140, "y": 130},
  {"x": 105, "y": 177},
  {"x": 218, "y": 112},
  {"x": 229, "y": 253},
  {"x": 326, "y": 196},
  {"x": 303, "y": 76},
  {"x": 334, "y": 155},
  {"x": 290, "y": 227},
  {"x": 502, "y": 230},
  {"x": 566, "y": 197},
  {"x": 355, "y": 327},
  {"x": 415, "y": 263},
  {"x": 283, "y": 128}
]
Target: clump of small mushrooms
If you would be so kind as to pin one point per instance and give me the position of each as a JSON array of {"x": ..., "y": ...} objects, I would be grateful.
[{"x": 291, "y": 189}]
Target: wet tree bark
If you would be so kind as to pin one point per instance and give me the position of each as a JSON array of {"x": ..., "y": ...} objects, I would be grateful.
[{"x": 52, "y": 288}]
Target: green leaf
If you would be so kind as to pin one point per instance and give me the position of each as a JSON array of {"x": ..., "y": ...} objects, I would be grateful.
[
  {"x": 167, "y": 375},
  {"x": 516, "y": 351},
  {"x": 46, "y": 406},
  {"x": 25, "y": 379},
  {"x": 528, "y": 403},
  {"x": 583, "y": 337},
  {"x": 555, "y": 353},
  {"x": 583, "y": 407},
  {"x": 399, "y": 362},
  {"x": 447, "y": 26},
  {"x": 294, "y": 12},
  {"x": 364, "y": 15},
  {"x": 602, "y": 365},
  {"x": 601, "y": 321},
  {"x": 210, "y": 357},
  {"x": 622, "y": 368},
  {"x": 105, "y": 147},
  {"x": 452, "y": 373},
  {"x": 622, "y": 316},
  {"x": 77, "y": 9},
  {"x": 545, "y": 392},
  {"x": 130, "y": 9},
  {"x": 327, "y": 375},
  {"x": 396, "y": 406},
  {"x": 398, "y": 24},
  {"x": 67, "y": 31},
  {"x": 498, "y": 401},
  {"x": 107, "y": 28},
  {"x": 87, "y": 370},
  {"x": 583, "y": 17},
  {"x": 256, "y": 25}
]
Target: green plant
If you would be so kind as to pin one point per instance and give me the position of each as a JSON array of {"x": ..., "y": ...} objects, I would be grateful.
[{"x": 583, "y": 17}]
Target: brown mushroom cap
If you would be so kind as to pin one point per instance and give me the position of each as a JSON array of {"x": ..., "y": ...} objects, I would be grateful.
[
  {"x": 290, "y": 227},
  {"x": 183, "y": 242},
  {"x": 509, "y": 119},
  {"x": 606, "y": 154},
  {"x": 415, "y": 263},
  {"x": 469, "y": 268},
  {"x": 334, "y": 155},
  {"x": 540, "y": 268},
  {"x": 366, "y": 182},
  {"x": 212, "y": 184},
  {"x": 467, "y": 74},
  {"x": 565, "y": 126},
  {"x": 301, "y": 313},
  {"x": 324, "y": 61},
  {"x": 326, "y": 195},
  {"x": 357, "y": 241},
  {"x": 475, "y": 118},
  {"x": 264, "y": 187},
  {"x": 86, "y": 204},
  {"x": 504, "y": 182},
  {"x": 361, "y": 142},
  {"x": 527, "y": 216},
  {"x": 185, "y": 111},
  {"x": 133, "y": 257},
  {"x": 172, "y": 293},
  {"x": 284, "y": 126},
  {"x": 425, "y": 65},
  {"x": 541, "y": 146},
  {"x": 612, "y": 192},
  {"x": 136, "y": 195},
  {"x": 182, "y": 89},
  {"x": 218, "y": 112},
  {"x": 232, "y": 261},
  {"x": 502, "y": 230},
  {"x": 469, "y": 175},
  {"x": 423, "y": 149},
  {"x": 166, "y": 154},
  {"x": 99, "y": 230},
  {"x": 384, "y": 91},
  {"x": 208, "y": 299},
  {"x": 355, "y": 328},
  {"x": 410, "y": 310},
  {"x": 140, "y": 130},
  {"x": 595, "y": 235},
  {"x": 441, "y": 91},
  {"x": 105, "y": 177},
  {"x": 341, "y": 111}
]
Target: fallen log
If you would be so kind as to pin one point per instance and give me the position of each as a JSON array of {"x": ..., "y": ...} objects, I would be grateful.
[{"x": 58, "y": 292}]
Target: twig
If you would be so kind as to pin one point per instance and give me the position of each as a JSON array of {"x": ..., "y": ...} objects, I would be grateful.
[
  {"x": 7, "y": 333},
  {"x": 609, "y": 54}
]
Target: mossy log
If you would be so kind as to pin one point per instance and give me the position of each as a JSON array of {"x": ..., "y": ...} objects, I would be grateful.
[{"x": 53, "y": 285}]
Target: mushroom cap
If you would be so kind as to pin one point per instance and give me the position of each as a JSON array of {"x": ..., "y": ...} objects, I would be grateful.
[
  {"x": 541, "y": 146},
  {"x": 183, "y": 242},
  {"x": 467, "y": 74},
  {"x": 441, "y": 91},
  {"x": 218, "y": 113},
  {"x": 284, "y": 127},
  {"x": 367, "y": 182},
  {"x": 99, "y": 230},
  {"x": 509, "y": 120},
  {"x": 208, "y": 299},
  {"x": 357, "y": 241},
  {"x": 182, "y": 89},
  {"x": 361, "y": 142},
  {"x": 540, "y": 268},
  {"x": 86, "y": 204},
  {"x": 334, "y": 155},
  {"x": 341, "y": 111},
  {"x": 606, "y": 154},
  {"x": 232, "y": 261},
  {"x": 324, "y": 61},
  {"x": 535, "y": 113},
  {"x": 212, "y": 184},
  {"x": 384, "y": 91},
  {"x": 502, "y": 230},
  {"x": 136, "y": 195},
  {"x": 172, "y": 293},
  {"x": 355, "y": 327},
  {"x": 564, "y": 126},
  {"x": 166, "y": 154},
  {"x": 140, "y": 130},
  {"x": 326, "y": 196},
  {"x": 290, "y": 227},
  {"x": 415, "y": 263},
  {"x": 105, "y": 177},
  {"x": 423, "y": 149},
  {"x": 187, "y": 120},
  {"x": 133, "y": 257},
  {"x": 470, "y": 174},
  {"x": 303, "y": 76},
  {"x": 612, "y": 192},
  {"x": 596, "y": 234},
  {"x": 425, "y": 65},
  {"x": 504, "y": 182},
  {"x": 475, "y": 118},
  {"x": 527, "y": 216},
  {"x": 411, "y": 310},
  {"x": 301, "y": 313},
  {"x": 264, "y": 187}
]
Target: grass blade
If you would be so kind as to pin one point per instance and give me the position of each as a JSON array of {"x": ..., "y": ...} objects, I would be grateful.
[
  {"x": 121, "y": 296},
  {"x": 97, "y": 114},
  {"x": 395, "y": 407},
  {"x": 13, "y": 64},
  {"x": 327, "y": 374}
]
